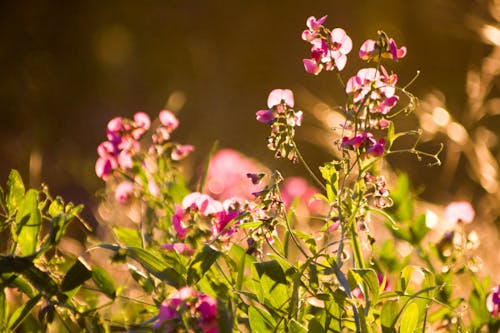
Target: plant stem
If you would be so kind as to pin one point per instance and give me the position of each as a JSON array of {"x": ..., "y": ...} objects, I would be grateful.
[{"x": 309, "y": 170}]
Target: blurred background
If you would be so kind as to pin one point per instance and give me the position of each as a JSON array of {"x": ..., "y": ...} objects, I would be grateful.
[{"x": 67, "y": 67}]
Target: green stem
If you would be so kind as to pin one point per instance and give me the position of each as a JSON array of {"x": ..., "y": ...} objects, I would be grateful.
[{"x": 309, "y": 170}]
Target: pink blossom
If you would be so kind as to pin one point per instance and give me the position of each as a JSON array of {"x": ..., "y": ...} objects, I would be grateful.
[
  {"x": 142, "y": 120},
  {"x": 124, "y": 191},
  {"x": 180, "y": 248},
  {"x": 459, "y": 211},
  {"x": 493, "y": 301},
  {"x": 395, "y": 52},
  {"x": 278, "y": 96},
  {"x": 178, "y": 224},
  {"x": 106, "y": 148},
  {"x": 181, "y": 151},
  {"x": 125, "y": 160},
  {"x": 298, "y": 187},
  {"x": 115, "y": 125},
  {"x": 377, "y": 149},
  {"x": 168, "y": 120},
  {"x": 104, "y": 166},
  {"x": 265, "y": 116},
  {"x": 207, "y": 307},
  {"x": 368, "y": 49},
  {"x": 161, "y": 135},
  {"x": 226, "y": 176},
  {"x": 314, "y": 24},
  {"x": 311, "y": 66},
  {"x": 204, "y": 203}
]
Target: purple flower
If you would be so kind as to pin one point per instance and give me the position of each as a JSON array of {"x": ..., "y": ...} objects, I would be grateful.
[
  {"x": 314, "y": 24},
  {"x": 265, "y": 116},
  {"x": 493, "y": 301}
]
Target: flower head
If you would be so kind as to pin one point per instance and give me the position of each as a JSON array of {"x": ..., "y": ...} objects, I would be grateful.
[
  {"x": 459, "y": 211},
  {"x": 493, "y": 301}
]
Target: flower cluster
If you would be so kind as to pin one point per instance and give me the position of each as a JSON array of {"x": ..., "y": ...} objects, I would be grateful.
[
  {"x": 220, "y": 219},
  {"x": 372, "y": 90},
  {"x": 365, "y": 144},
  {"x": 121, "y": 156},
  {"x": 188, "y": 307},
  {"x": 329, "y": 48},
  {"x": 283, "y": 120},
  {"x": 384, "y": 47},
  {"x": 376, "y": 188}
]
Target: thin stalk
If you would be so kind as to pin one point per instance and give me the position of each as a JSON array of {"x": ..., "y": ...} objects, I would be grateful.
[{"x": 309, "y": 170}]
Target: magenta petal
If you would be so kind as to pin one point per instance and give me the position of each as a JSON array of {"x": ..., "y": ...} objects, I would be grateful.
[
  {"x": 265, "y": 116},
  {"x": 311, "y": 66}
]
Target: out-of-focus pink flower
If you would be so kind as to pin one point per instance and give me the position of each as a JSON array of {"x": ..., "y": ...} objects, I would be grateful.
[
  {"x": 277, "y": 96},
  {"x": 142, "y": 120},
  {"x": 104, "y": 166},
  {"x": 168, "y": 120},
  {"x": 226, "y": 176},
  {"x": 180, "y": 248},
  {"x": 181, "y": 151},
  {"x": 265, "y": 116},
  {"x": 493, "y": 301},
  {"x": 124, "y": 191},
  {"x": 384, "y": 47},
  {"x": 298, "y": 187},
  {"x": 177, "y": 221},
  {"x": 125, "y": 160},
  {"x": 199, "y": 311},
  {"x": 459, "y": 211},
  {"x": 204, "y": 203}
]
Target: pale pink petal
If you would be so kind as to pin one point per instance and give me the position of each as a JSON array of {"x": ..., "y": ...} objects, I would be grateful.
[
  {"x": 459, "y": 211},
  {"x": 142, "y": 120},
  {"x": 124, "y": 191},
  {"x": 168, "y": 120}
]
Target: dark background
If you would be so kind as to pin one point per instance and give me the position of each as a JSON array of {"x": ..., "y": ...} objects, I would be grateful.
[{"x": 67, "y": 67}]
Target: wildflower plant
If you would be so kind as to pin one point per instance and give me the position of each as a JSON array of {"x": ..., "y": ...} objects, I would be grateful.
[{"x": 215, "y": 259}]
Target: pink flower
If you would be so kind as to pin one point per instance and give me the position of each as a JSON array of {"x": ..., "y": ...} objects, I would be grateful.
[
  {"x": 204, "y": 203},
  {"x": 342, "y": 45},
  {"x": 168, "y": 120},
  {"x": 395, "y": 52},
  {"x": 265, "y": 116},
  {"x": 104, "y": 166},
  {"x": 278, "y": 96},
  {"x": 207, "y": 307},
  {"x": 181, "y": 151},
  {"x": 298, "y": 188},
  {"x": 377, "y": 149},
  {"x": 180, "y": 248},
  {"x": 314, "y": 24},
  {"x": 368, "y": 49},
  {"x": 459, "y": 211},
  {"x": 493, "y": 301},
  {"x": 142, "y": 120},
  {"x": 115, "y": 125},
  {"x": 226, "y": 177},
  {"x": 177, "y": 222},
  {"x": 125, "y": 160},
  {"x": 124, "y": 191},
  {"x": 311, "y": 66}
]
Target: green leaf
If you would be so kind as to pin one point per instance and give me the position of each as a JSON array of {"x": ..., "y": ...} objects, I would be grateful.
[
  {"x": 154, "y": 263},
  {"x": 224, "y": 318},
  {"x": 409, "y": 318},
  {"x": 41, "y": 280},
  {"x": 104, "y": 282},
  {"x": 260, "y": 320},
  {"x": 296, "y": 327},
  {"x": 3, "y": 309},
  {"x": 418, "y": 229},
  {"x": 22, "y": 312},
  {"x": 146, "y": 283},
  {"x": 272, "y": 269},
  {"x": 202, "y": 263},
  {"x": 315, "y": 326},
  {"x": 329, "y": 173},
  {"x": 248, "y": 225},
  {"x": 15, "y": 191},
  {"x": 56, "y": 207},
  {"x": 76, "y": 275},
  {"x": 368, "y": 277},
  {"x": 128, "y": 236},
  {"x": 388, "y": 316},
  {"x": 28, "y": 220}
]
